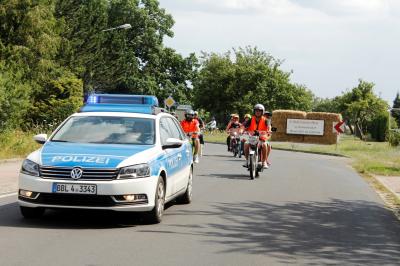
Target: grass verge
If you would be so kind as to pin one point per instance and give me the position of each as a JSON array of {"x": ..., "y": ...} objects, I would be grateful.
[{"x": 16, "y": 144}]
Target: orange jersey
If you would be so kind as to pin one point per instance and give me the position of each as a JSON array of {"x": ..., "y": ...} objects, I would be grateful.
[
  {"x": 192, "y": 126},
  {"x": 261, "y": 126}
]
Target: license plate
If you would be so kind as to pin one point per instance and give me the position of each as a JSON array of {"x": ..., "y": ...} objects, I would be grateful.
[{"x": 74, "y": 188}]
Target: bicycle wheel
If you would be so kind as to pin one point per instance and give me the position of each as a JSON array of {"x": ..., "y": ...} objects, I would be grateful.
[{"x": 252, "y": 167}]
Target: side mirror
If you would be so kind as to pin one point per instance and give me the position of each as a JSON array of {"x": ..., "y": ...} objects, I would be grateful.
[
  {"x": 274, "y": 129},
  {"x": 41, "y": 138},
  {"x": 172, "y": 143}
]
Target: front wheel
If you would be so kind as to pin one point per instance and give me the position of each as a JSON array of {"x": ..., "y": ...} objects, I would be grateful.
[
  {"x": 252, "y": 166},
  {"x": 31, "y": 213},
  {"x": 155, "y": 215}
]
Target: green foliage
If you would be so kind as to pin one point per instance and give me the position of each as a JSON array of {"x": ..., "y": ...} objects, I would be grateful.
[
  {"x": 59, "y": 99},
  {"x": 53, "y": 50},
  {"x": 361, "y": 108},
  {"x": 326, "y": 105},
  {"x": 378, "y": 126},
  {"x": 124, "y": 61},
  {"x": 394, "y": 138},
  {"x": 14, "y": 99},
  {"x": 234, "y": 82},
  {"x": 396, "y": 108}
]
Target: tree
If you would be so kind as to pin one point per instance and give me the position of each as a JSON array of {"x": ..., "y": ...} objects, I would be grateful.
[
  {"x": 396, "y": 104},
  {"x": 326, "y": 105},
  {"x": 235, "y": 81},
  {"x": 124, "y": 61},
  {"x": 361, "y": 106}
]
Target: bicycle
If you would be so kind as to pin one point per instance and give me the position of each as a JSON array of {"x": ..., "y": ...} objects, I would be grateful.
[
  {"x": 235, "y": 142},
  {"x": 255, "y": 150}
]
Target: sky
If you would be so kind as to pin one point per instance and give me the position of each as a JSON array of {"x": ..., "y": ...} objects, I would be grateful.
[{"x": 328, "y": 44}]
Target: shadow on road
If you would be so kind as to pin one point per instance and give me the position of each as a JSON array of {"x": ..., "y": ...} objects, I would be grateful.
[
  {"x": 229, "y": 176},
  {"x": 353, "y": 232},
  {"x": 71, "y": 218}
]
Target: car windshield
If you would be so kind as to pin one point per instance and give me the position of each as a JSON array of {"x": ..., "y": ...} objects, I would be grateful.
[{"x": 107, "y": 130}]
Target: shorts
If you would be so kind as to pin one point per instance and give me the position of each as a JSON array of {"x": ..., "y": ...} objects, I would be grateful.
[{"x": 201, "y": 139}]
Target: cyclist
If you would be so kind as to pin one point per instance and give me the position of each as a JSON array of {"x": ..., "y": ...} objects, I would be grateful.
[
  {"x": 233, "y": 124},
  {"x": 247, "y": 117},
  {"x": 228, "y": 139},
  {"x": 258, "y": 123},
  {"x": 191, "y": 127},
  {"x": 202, "y": 126}
]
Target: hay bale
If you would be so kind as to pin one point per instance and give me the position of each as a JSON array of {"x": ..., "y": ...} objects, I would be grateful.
[
  {"x": 279, "y": 118},
  {"x": 329, "y": 136}
]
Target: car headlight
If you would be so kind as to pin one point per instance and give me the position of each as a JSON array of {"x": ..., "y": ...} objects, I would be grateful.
[
  {"x": 135, "y": 171},
  {"x": 30, "y": 168}
]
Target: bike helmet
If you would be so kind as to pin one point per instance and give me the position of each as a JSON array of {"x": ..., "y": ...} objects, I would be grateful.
[
  {"x": 268, "y": 113},
  {"x": 247, "y": 116},
  {"x": 189, "y": 112},
  {"x": 235, "y": 116},
  {"x": 196, "y": 113},
  {"x": 259, "y": 107}
]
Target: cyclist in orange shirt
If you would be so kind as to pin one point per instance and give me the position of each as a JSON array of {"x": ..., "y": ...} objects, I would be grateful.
[
  {"x": 258, "y": 123},
  {"x": 192, "y": 128}
]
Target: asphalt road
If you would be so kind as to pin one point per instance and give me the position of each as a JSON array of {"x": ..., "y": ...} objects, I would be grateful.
[{"x": 304, "y": 210}]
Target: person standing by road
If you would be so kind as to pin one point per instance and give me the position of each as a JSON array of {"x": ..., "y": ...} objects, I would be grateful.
[{"x": 212, "y": 125}]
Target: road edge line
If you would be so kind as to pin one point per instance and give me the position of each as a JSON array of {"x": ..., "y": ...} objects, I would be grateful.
[{"x": 9, "y": 194}]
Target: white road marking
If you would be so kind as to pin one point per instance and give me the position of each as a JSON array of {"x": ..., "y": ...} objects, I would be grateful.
[{"x": 8, "y": 195}]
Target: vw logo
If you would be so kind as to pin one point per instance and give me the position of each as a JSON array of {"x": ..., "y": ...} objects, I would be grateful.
[{"x": 76, "y": 173}]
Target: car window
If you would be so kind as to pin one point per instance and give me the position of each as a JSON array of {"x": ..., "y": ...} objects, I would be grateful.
[
  {"x": 165, "y": 131},
  {"x": 174, "y": 129},
  {"x": 181, "y": 133},
  {"x": 107, "y": 130}
]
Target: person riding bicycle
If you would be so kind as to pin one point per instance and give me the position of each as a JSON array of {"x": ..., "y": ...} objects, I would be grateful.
[
  {"x": 258, "y": 123},
  {"x": 191, "y": 126},
  {"x": 233, "y": 124},
  {"x": 246, "y": 118},
  {"x": 202, "y": 126}
]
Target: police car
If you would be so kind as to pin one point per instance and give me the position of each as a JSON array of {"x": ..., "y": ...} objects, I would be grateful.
[{"x": 119, "y": 152}]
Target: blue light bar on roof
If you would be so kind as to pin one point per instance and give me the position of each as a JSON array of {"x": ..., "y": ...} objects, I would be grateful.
[
  {"x": 122, "y": 99},
  {"x": 144, "y": 104}
]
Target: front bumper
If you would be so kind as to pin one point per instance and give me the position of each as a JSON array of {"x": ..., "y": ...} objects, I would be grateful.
[{"x": 104, "y": 199}]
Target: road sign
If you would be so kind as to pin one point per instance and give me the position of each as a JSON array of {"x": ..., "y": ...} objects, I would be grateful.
[
  {"x": 339, "y": 127},
  {"x": 169, "y": 102}
]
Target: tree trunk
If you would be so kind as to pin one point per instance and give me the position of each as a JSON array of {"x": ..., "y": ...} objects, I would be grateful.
[
  {"x": 350, "y": 126},
  {"x": 358, "y": 131}
]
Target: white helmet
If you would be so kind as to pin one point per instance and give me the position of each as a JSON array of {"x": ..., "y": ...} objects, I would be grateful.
[{"x": 259, "y": 107}]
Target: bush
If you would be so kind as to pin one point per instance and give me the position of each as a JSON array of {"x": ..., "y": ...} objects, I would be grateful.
[
  {"x": 394, "y": 138},
  {"x": 378, "y": 127}
]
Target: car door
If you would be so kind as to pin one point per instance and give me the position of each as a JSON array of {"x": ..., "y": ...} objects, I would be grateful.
[
  {"x": 183, "y": 155},
  {"x": 172, "y": 157}
]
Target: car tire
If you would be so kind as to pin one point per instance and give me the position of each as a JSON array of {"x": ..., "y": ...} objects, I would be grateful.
[
  {"x": 186, "y": 198},
  {"x": 31, "y": 213},
  {"x": 155, "y": 215}
]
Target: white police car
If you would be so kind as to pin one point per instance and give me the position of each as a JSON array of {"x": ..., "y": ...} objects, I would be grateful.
[{"x": 120, "y": 152}]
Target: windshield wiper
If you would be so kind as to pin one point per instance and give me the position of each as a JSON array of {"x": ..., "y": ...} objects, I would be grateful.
[{"x": 59, "y": 140}]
